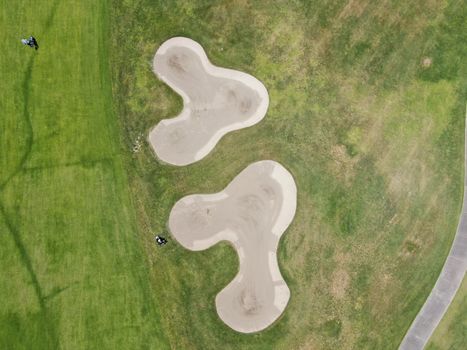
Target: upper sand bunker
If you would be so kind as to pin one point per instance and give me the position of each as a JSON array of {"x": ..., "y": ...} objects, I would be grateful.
[
  {"x": 216, "y": 101},
  {"x": 252, "y": 213}
]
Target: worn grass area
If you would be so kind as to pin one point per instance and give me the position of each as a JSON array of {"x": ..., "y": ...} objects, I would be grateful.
[
  {"x": 72, "y": 271},
  {"x": 367, "y": 106},
  {"x": 366, "y": 111},
  {"x": 451, "y": 333}
]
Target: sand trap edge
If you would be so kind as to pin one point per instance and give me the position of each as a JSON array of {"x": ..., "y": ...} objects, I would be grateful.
[
  {"x": 215, "y": 71},
  {"x": 289, "y": 192}
]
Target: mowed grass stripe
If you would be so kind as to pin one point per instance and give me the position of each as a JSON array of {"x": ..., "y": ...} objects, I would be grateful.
[{"x": 73, "y": 275}]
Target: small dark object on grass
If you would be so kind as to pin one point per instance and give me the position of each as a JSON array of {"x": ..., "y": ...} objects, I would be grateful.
[
  {"x": 160, "y": 240},
  {"x": 32, "y": 42}
]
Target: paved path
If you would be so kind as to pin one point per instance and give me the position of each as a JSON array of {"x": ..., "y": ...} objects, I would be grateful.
[{"x": 446, "y": 286}]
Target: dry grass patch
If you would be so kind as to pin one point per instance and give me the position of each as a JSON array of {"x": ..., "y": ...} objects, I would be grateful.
[{"x": 340, "y": 282}]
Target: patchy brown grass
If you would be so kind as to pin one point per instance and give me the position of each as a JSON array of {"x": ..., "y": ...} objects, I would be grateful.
[
  {"x": 371, "y": 146},
  {"x": 340, "y": 283}
]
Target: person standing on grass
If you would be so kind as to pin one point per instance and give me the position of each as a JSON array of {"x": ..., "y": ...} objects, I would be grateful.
[
  {"x": 160, "y": 240},
  {"x": 31, "y": 42}
]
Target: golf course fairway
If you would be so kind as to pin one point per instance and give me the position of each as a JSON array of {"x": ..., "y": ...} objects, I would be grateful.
[
  {"x": 73, "y": 272},
  {"x": 366, "y": 112}
]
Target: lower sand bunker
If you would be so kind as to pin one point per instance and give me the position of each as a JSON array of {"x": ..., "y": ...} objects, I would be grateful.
[
  {"x": 252, "y": 213},
  {"x": 216, "y": 101}
]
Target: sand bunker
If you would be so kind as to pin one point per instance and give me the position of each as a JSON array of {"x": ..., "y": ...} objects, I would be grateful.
[
  {"x": 252, "y": 213},
  {"x": 216, "y": 101}
]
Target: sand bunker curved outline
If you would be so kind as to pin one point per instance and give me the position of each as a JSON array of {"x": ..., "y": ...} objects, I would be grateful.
[
  {"x": 251, "y": 213},
  {"x": 216, "y": 101}
]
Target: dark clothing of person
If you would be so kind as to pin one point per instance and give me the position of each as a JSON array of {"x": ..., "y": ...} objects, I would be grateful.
[
  {"x": 34, "y": 43},
  {"x": 31, "y": 42},
  {"x": 160, "y": 240}
]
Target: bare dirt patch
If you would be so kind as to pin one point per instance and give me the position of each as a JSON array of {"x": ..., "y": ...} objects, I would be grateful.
[
  {"x": 340, "y": 283},
  {"x": 427, "y": 62}
]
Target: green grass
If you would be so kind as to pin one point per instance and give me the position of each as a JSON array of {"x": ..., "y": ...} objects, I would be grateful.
[
  {"x": 73, "y": 272},
  {"x": 451, "y": 333},
  {"x": 373, "y": 138}
]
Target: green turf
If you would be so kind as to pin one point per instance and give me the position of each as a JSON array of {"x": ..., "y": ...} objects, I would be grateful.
[
  {"x": 373, "y": 138},
  {"x": 73, "y": 273},
  {"x": 452, "y": 331},
  {"x": 372, "y": 134}
]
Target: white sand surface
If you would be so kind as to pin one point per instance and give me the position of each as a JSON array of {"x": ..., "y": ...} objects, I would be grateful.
[
  {"x": 216, "y": 101},
  {"x": 251, "y": 213}
]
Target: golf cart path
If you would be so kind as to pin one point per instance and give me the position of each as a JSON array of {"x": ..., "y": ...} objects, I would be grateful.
[{"x": 446, "y": 286}]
